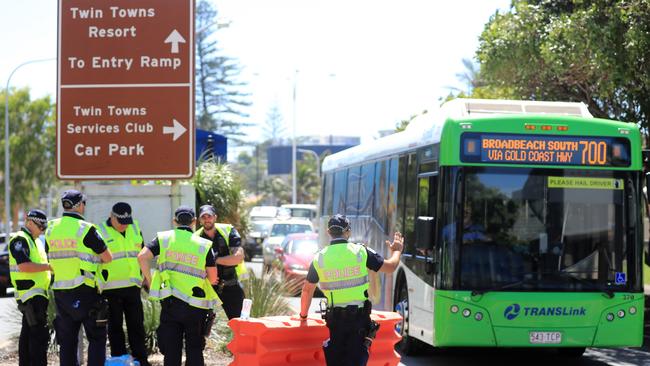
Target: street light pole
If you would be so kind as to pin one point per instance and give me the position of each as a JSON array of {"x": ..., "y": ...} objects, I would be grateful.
[
  {"x": 6, "y": 177},
  {"x": 312, "y": 152},
  {"x": 293, "y": 143}
]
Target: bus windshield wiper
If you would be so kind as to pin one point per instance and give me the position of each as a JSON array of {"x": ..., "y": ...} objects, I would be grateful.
[
  {"x": 608, "y": 292},
  {"x": 526, "y": 279}
]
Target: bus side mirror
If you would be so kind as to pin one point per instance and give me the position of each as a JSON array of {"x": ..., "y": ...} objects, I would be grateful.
[{"x": 424, "y": 227}]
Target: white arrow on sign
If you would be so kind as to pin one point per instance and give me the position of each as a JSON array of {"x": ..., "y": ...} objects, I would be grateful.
[
  {"x": 175, "y": 38},
  {"x": 177, "y": 129}
]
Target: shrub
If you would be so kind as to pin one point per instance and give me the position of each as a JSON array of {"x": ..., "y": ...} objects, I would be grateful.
[{"x": 151, "y": 310}]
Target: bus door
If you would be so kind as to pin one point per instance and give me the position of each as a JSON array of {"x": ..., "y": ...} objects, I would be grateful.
[{"x": 420, "y": 262}]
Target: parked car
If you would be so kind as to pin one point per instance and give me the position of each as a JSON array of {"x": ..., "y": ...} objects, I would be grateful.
[
  {"x": 253, "y": 243},
  {"x": 295, "y": 256},
  {"x": 280, "y": 229}
]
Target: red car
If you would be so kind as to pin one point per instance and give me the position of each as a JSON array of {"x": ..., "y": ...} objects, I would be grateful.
[{"x": 295, "y": 255}]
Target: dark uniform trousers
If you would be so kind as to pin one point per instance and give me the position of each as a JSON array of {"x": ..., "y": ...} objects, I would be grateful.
[
  {"x": 180, "y": 320},
  {"x": 232, "y": 298},
  {"x": 32, "y": 346},
  {"x": 346, "y": 347},
  {"x": 74, "y": 308},
  {"x": 126, "y": 303}
]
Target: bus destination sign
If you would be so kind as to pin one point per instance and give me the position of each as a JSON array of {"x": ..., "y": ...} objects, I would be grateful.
[{"x": 544, "y": 150}]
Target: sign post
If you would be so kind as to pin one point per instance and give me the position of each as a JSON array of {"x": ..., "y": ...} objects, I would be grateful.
[{"x": 125, "y": 89}]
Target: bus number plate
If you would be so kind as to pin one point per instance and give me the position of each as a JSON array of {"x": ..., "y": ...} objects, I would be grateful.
[{"x": 545, "y": 337}]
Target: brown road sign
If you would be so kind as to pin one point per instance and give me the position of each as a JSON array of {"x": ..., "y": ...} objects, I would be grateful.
[{"x": 125, "y": 89}]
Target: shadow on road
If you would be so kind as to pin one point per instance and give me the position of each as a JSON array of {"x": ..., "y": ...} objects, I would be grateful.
[{"x": 516, "y": 356}]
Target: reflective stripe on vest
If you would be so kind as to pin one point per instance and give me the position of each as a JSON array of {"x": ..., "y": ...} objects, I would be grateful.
[
  {"x": 68, "y": 255},
  {"x": 181, "y": 268},
  {"x": 339, "y": 285},
  {"x": 77, "y": 281},
  {"x": 166, "y": 292},
  {"x": 342, "y": 273},
  {"x": 123, "y": 270},
  {"x": 40, "y": 280}
]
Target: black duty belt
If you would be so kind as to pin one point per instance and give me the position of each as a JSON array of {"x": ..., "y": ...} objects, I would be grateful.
[{"x": 227, "y": 283}]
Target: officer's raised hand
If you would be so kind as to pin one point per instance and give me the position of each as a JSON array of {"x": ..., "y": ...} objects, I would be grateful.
[
  {"x": 397, "y": 244},
  {"x": 390, "y": 264}
]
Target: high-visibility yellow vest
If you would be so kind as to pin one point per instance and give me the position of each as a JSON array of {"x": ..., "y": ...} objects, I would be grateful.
[
  {"x": 342, "y": 274},
  {"x": 41, "y": 279},
  {"x": 123, "y": 270},
  {"x": 224, "y": 230},
  {"x": 68, "y": 255},
  {"x": 181, "y": 267}
]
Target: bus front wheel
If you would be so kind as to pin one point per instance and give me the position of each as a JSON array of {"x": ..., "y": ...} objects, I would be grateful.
[{"x": 408, "y": 345}]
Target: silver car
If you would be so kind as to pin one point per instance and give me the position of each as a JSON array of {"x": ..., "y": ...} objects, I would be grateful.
[{"x": 280, "y": 229}]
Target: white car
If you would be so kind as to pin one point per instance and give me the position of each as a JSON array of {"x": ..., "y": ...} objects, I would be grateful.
[{"x": 280, "y": 229}]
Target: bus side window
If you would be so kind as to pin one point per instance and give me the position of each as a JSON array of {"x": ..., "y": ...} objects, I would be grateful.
[
  {"x": 380, "y": 211},
  {"x": 410, "y": 202},
  {"x": 326, "y": 206},
  {"x": 340, "y": 189},
  {"x": 427, "y": 192}
]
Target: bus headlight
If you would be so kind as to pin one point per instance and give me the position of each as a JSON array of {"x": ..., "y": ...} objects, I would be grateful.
[
  {"x": 621, "y": 313},
  {"x": 610, "y": 317},
  {"x": 632, "y": 310},
  {"x": 467, "y": 312},
  {"x": 478, "y": 316},
  {"x": 454, "y": 309}
]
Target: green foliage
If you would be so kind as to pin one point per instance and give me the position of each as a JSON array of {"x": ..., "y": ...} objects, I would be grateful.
[
  {"x": 151, "y": 310},
  {"x": 594, "y": 52},
  {"x": 219, "y": 99},
  {"x": 267, "y": 293},
  {"x": 307, "y": 179},
  {"x": 221, "y": 334},
  {"x": 217, "y": 184},
  {"x": 32, "y": 146}
]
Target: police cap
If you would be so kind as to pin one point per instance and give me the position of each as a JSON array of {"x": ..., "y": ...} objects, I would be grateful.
[
  {"x": 183, "y": 214},
  {"x": 338, "y": 222},
  {"x": 72, "y": 198},
  {"x": 122, "y": 212},
  {"x": 38, "y": 217}
]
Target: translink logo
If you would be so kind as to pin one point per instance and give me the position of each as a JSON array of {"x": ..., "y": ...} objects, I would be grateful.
[{"x": 513, "y": 311}]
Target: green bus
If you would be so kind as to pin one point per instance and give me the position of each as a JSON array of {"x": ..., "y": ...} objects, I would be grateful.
[{"x": 522, "y": 224}]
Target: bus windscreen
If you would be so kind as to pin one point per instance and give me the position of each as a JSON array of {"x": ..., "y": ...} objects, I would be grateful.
[{"x": 544, "y": 150}]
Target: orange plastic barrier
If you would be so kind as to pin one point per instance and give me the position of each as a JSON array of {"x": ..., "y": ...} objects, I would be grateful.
[{"x": 282, "y": 340}]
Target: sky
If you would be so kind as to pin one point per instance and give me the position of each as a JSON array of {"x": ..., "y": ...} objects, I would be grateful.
[{"x": 362, "y": 65}]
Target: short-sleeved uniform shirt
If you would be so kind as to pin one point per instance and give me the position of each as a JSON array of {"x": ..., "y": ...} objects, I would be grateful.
[
  {"x": 373, "y": 262},
  {"x": 19, "y": 247},
  {"x": 154, "y": 247},
  {"x": 221, "y": 249}
]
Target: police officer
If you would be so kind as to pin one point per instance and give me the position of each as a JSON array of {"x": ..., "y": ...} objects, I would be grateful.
[
  {"x": 186, "y": 270},
  {"x": 30, "y": 276},
  {"x": 120, "y": 282},
  {"x": 75, "y": 249},
  {"x": 341, "y": 269},
  {"x": 226, "y": 244}
]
